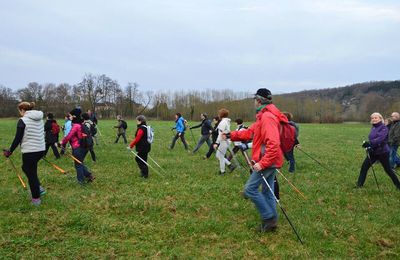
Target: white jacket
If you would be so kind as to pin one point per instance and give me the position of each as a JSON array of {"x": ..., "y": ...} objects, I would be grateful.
[
  {"x": 224, "y": 127},
  {"x": 33, "y": 140}
]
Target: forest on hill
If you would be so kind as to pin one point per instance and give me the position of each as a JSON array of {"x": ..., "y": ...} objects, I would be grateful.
[{"x": 105, "y": 96}]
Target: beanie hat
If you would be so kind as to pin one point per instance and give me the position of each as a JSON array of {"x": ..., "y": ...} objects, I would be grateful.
[
  {"x": 265, "y": 93},
  {"x": 76, "y": 112}
]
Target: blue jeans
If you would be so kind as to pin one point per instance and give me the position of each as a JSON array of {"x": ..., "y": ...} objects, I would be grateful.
[
  {"x": 263, "y": 200},
  {"x": 289, "y": 156},
  {"x": 394, "y": 160},
  {"x": 81, "y": 170}
]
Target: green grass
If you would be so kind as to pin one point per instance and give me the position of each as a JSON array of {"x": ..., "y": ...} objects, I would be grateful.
[{"x": 191, "y": 212}]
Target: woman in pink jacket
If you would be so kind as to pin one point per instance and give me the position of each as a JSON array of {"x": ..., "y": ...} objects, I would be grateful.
[{"x": 74, "y": 137}]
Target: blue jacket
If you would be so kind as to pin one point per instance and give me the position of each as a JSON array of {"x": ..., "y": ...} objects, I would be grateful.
[
  {"x": 378, "y": 138},
  {"x": 180, "y": 125}
]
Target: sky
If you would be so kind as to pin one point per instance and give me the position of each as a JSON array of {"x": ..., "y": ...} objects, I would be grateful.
[{"x": 285, "y": 46}]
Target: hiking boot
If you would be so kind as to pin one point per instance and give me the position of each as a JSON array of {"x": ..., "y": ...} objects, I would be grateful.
[
  {"x": 269, "y": 225},
  {"x": 36, "y": 202},
  {"x": 42, "y": 191},
  {"x": 232, "y": 167}
]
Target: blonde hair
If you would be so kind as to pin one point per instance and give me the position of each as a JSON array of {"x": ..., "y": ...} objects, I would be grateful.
[
  {"x": 26, "y": 105},
  {"x": 378, "y": 115}
]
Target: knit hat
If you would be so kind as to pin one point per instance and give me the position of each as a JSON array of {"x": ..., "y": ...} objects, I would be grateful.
[
  {"x": 76, "y": 112},
  {"x": 265, "y": 93}
]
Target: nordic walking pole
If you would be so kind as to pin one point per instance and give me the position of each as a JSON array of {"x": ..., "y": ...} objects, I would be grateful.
[
  {"x": 16, "y": 172},
  {"x": 284, "y": 212},
  {"x": 373, "y": 170},
  {"x": 314, "y": 159},
  {"x": 291, "y": 184},
  {"x": 145, "y": 162},
  {"x": 73, "y": 157},
  {"x": 156, "y": 163},
  {"x": 194, "y": 140},
  {"x": 55, "y": 166}
]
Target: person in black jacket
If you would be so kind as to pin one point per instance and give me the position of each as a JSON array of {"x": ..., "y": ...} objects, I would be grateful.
[
  {"x": 143, "y": 147},
  {"x": 51, "y": 129},
  {"x": 206, "y": 130},
  {"x": 214, "y": 136}
]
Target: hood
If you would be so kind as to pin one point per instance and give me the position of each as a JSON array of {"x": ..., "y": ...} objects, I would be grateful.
[
  {"x": 226, "y": 119},
  {"x": 275, "y": 111},
  {"x": 34, "y": 115}
]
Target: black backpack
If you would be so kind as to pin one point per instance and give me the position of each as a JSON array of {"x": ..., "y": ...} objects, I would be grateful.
[
  {"x": 124, "y": 124},
  {"x": 87, "y": 139}
]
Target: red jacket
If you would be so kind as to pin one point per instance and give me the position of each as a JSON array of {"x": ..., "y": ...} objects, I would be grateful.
[{"x": 265, "y": 134}]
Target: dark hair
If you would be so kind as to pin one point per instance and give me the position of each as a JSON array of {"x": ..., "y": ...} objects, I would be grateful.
[
  {"x": 204, "y": 114},
  {"x": 141, "y": 118},
  {"x": 50, "y": 115},
  {"x": 85, "y": 116},
  {"x": 288, "y": 115},
  {"x": 239, "y": 121},
  {"x": 26, "y": 105},
  {"x": 223, "y": 112},
  {"x": 178, "y": 114},
  {"x": 216, "y": 118}
]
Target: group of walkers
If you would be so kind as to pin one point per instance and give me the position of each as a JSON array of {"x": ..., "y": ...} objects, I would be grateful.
[{"x": 266, "y": 137}]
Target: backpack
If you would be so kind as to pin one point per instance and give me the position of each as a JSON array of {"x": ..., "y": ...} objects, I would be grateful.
[
  {"x": 124, "y": 125},
  {"x": 287, "y": 135},
  {"x": 93, "y": 129},
  {"x": 150, "y": 134},
  {"x": 87, "y": 140},
  {"x": 55, "y": 128}
]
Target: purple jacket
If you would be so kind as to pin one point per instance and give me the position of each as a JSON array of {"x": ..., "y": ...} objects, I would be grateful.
[{"x": 378, "y": 138}]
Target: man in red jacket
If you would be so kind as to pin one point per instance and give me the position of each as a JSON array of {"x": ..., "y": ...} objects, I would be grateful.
[{"x": 267, "y": 156}]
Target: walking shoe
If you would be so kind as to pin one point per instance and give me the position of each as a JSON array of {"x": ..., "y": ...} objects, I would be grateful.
[
  {"x": 42, "y": 191},
  {"x": 232, "y": 167},
  {"x": 90, "y": 178},
  {"x": 36, "y": 202},
  {"x": 221, "y": 173},
  {"x": 269, "y": 225}
]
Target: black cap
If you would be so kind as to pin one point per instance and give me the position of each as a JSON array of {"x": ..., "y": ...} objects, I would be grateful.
[{"x": 265, "y": 93}]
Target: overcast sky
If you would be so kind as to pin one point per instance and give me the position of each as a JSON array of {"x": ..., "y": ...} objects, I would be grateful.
[{"x": 283, "y": 45}]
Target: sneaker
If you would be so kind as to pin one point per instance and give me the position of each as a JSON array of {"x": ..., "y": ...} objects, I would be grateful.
[
  {"x": 36, "y": 202},
  {"x": 269, "y": 225},
  {"x": 42, "y": 191},
  {"x": 232, "y": 167},
  {"x": 221, "y": 173}
]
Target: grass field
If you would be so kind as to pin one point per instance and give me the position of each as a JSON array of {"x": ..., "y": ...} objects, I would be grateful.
[{"x": 192, "y": 212}]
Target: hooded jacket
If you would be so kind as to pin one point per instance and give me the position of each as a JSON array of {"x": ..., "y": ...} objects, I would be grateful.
[{"x": 265, "y": 134}]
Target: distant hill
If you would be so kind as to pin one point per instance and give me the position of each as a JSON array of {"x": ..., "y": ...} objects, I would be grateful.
[{"x": 350, "y": 103}]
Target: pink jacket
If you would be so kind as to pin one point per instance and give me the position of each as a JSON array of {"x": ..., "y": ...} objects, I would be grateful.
[{"x": 73, "y": 136}]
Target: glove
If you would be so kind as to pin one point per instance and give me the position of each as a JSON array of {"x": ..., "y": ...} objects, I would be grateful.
[
  {"x": 7, "y": 153},
  {"x": 243, "y": 146},
  {"x": 366, "y": 144}
]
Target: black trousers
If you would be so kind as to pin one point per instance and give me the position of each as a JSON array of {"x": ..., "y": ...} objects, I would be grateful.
[
  {"x": 29, "y": 166},
  {"x": 144, "y": 170},
  {"x": 123, "y": 136},
  {"x": 54, "y": 148},
  {"x": 182, "y": 136},
  {"x": 384, "y": 160}
]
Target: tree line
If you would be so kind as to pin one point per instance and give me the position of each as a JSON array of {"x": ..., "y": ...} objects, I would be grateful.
[{"x": 108, "y": 98}]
